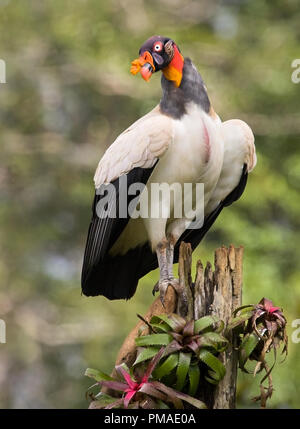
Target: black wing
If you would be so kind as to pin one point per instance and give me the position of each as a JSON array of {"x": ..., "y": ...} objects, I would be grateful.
[{"x": 98, "y": 267}]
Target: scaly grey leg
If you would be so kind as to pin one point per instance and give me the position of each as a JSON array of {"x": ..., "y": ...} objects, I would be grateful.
[
  {"x": 163, "y": 283},
  {"x": 165, "y": 257},
  {"x": 170, "y": 259},
  {"x": 181, "y": 293}
]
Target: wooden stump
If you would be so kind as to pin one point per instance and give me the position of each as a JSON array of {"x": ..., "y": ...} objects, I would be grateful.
[
  {"x": 215, "y": 292},
  {"x": 219, "y": 293}
]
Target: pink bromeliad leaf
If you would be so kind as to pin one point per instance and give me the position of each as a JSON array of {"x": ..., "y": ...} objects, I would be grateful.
[
  {"x": 131, "y": 383},
  {"x": 132, "y": 387},
  {"x": 129, "y": 395},
  {"x": 115, "y": 385},
  {"x": 194, "y": 346},
  {"x": 151, "y": 367},
  {"x": 269, "y": 306},
  {"x": 152, "y": 391},
  {"x": 273, "y": 309}
]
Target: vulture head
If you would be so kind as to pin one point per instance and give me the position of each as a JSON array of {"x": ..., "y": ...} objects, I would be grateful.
[{"x": 159, "y": 53}]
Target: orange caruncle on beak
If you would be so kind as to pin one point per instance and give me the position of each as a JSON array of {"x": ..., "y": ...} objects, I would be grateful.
[{"x": 144, "y": 65}]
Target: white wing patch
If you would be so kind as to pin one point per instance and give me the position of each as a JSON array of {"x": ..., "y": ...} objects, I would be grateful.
[{"x": 138, "y": 146}]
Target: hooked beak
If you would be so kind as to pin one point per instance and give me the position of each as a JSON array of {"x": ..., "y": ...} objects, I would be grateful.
[
  {"x": 144, "y": 64},
  {"x": 146, "y": 71}
]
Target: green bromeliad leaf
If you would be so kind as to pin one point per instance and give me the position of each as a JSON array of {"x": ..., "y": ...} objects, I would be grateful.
[
  {"x": 161, "y": 405},
  {"x": 175, "y": 322},
  {"x": 182, "y": 369},
  {"x": 103, "y": 400},
  {"x": 238, "y": 320},
  {"x": 194, "y": 377},
  {"x": 217, "y": 369},
  {"x": 161, "y": 327},
  {"x": 166, "y": 367},
  {"x": 146, "y": 354},
  {"x": 217, "y": 341},
  {"x": 205, "y": 322},
  {"x": 154, "y": 339},
  {"x": 243, "y": 309},
  {"x": 97, "y": 375},
  {"x": 163, "y": 318},
  {"x": 246, "y": 348}
]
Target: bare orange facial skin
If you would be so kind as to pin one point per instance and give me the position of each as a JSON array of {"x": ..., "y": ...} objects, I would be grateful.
[
  {"x": 173, "y": 71},
  {"x": 142, "y": 64}
]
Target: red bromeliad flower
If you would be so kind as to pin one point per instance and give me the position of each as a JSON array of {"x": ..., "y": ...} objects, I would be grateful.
[
  {"x": 146, "y": 391},
  {"x": 268, "y": 306},
  {"x": 270, "y": 317},
  {"x": 142, "y": 386}
]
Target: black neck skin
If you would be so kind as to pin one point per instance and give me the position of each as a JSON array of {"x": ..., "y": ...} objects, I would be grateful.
[{"x": 191, "y": 89}]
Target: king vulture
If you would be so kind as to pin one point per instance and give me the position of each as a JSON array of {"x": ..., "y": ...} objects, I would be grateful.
[{"x": 182, "y": 140}]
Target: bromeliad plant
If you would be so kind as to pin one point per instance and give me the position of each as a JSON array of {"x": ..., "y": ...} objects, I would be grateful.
[
  {"x": 261, "y": 328},
  {"x": 189, "y": 346},
  {"x": 166, "y": 372},
  {"x": 139, "y": 391}
]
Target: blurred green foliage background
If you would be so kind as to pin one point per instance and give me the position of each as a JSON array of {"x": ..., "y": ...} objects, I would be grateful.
[{"x": 68, "y": 95}]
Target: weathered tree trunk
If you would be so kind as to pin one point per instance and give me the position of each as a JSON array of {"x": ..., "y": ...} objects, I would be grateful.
[{"x": 217, "y": 293}]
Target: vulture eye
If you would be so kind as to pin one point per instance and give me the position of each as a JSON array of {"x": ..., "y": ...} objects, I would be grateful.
[{"x": 158, "y": 46}]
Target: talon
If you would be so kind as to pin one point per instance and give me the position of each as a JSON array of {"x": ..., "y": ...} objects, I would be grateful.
[{"x": 155, "y": 289}]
